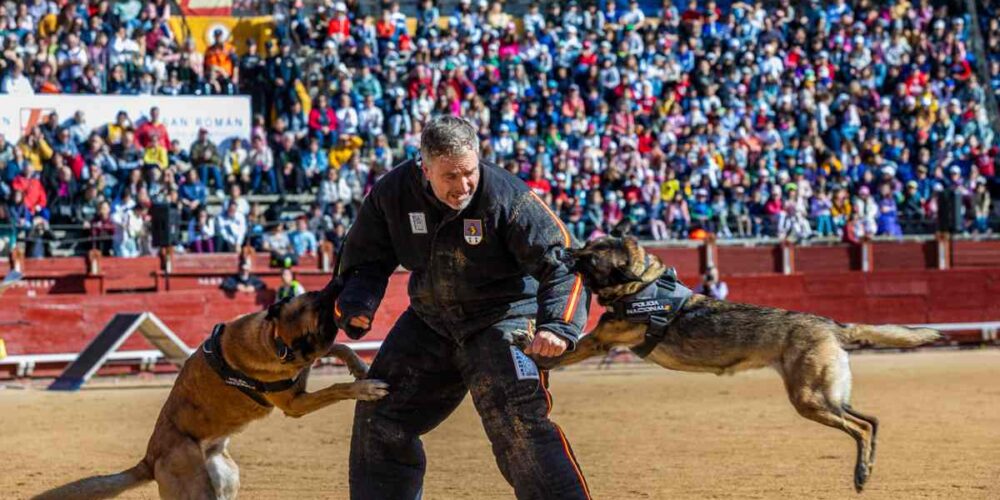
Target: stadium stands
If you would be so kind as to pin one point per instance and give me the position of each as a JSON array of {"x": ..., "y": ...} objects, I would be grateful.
[{"x": 767, "y": 119}]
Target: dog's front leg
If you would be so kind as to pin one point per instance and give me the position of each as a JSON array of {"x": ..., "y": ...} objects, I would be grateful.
[
  {"x": 296, "y": 402},
  {"x": 589, "y": 345},
  {"x": 355, "y": 364},
  {"x": 600, "y": 340}
]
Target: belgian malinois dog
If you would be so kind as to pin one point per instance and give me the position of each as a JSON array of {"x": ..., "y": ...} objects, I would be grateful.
[
  {"x": 709, "y": 335},
  {"x": 249, "y": 366}
]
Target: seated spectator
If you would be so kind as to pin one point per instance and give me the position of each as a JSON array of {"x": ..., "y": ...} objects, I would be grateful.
[
  {"x": 230, "y": 229},
  {"x": 887, "y": 221},
  {"x": 39, "y": 239},
  {"x": 35, "y": 148},
  {"x": 333, "y": 189},
  {"x": 320, "y": 223},
  {"x": 15, "y": 82},
  {"x": 867, "y": 210},
  {"x": 821, "y": 211},
  {"x": 114, "y": 133},
  {"x": 18, "y": 213},
  {"x": 61, "y": 205},
  {"x": 155, "y": 154},
  {"x": 701, "y": 210},
  {"x": 347, "y": 117},
  {"x": 8, "y": 232},
  {"x": 981, "y": 201},
  {"x": 338, "y": 237},
  {"x": 244, "y": 281},
  {"x": 277, "y": 243},
  {"x": 132, "y": 231},
  {"x": 201, "y": 232},
  {"x": 323, "y": 122},
  {"x": 205, "y": 158},
  {"x": 290, "y": 287},
  {"x": 234, "y": 164},
  {"x": 236, "y": 196},
  {"x": 720, "y": 214},
  {"x": 347, "y": 146},
  {"x": 193, "y": 195},
  {"x": 314, "y": 162},
  {"x": 261, "y": 163},
  {"x": 34, "y": 198},
  {"x": 178, "y": 158},
  {"x": 128, "y": 154},
  {"x": 303, "y": 239},
  {"x": 102, "y": 229}
]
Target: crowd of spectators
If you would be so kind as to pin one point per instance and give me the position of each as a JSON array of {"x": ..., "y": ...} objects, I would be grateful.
[{"x": 788, "y": 119}]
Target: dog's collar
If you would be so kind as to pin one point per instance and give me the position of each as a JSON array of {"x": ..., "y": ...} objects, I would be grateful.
[
  {"x": 253, "y": 388},
  {"x": 657, "y": 305}
]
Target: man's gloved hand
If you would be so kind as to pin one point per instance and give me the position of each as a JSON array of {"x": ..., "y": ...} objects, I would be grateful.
[
  {"x": 354, "y": 323},
  {"x": 357, "y": 327}
]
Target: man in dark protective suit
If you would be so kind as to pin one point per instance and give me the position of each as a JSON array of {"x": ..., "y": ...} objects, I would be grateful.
[{"x": 485, "y": 254}]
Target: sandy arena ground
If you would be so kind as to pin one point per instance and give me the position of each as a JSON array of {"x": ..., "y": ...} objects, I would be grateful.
[{"x": 638, "y": 430}]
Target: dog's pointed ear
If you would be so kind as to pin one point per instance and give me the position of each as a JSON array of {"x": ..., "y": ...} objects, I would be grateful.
[
  {"x": 274, "y": 310},
  {"x": 622, "y": 229}
]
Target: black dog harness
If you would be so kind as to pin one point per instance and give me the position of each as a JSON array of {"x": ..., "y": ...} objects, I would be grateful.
[
  {"x": 656, "y": 305},
  {"x": 252, "y": 387}
]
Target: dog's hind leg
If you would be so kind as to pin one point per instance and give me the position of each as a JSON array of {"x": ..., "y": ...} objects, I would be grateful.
[
  {"x": 182, "y": 473},
  {"x": 872, "y": 420},
  {"x": 818, "y": 383},
  {"x": 222, "y": 471}
]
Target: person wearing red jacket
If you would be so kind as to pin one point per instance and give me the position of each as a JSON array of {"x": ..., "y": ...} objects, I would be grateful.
[
  {"x": 323, "y": 122},
  {"x": 34, "y": 193},
  {"x": 153, "y": 127},
  {"x": 339, "y": 27}
]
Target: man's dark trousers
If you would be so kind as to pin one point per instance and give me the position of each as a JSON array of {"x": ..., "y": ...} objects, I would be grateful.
[{"x": 428, "y": 375}]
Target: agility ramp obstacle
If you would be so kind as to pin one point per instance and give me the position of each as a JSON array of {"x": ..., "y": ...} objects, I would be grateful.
[{"x": 119, "y": 329}]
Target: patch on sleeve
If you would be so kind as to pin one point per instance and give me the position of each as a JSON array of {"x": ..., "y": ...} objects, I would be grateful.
[{"x": 523, "y": 365}]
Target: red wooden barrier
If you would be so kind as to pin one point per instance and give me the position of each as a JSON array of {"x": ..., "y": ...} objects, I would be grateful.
[{"x": 65, "y": 323}]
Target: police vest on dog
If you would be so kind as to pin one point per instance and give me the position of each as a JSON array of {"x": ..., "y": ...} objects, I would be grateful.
[{"x": 656, "y": 305}]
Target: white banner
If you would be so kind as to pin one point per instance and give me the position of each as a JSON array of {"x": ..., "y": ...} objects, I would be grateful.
[{"x": 224, "y": 117}]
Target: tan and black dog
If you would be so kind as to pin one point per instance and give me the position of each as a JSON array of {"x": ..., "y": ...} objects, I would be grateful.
[
  {"x": 249, "y": 366},
  {"x": 708, "y": 335}
]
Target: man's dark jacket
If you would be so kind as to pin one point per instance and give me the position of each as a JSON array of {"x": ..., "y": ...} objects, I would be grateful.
[{"x": 499, "y": 258}]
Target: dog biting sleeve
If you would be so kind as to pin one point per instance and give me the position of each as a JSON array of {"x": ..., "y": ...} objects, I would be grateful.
[{"x": 537, "y": 238}]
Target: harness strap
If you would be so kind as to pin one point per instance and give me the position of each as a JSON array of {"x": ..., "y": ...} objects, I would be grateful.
[
  {"x": 655, "y": 333},
  {"x": 212, "y": 348}
]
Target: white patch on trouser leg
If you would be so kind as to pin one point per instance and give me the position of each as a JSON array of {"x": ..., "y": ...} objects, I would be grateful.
[{"x": 523, "y": 365}]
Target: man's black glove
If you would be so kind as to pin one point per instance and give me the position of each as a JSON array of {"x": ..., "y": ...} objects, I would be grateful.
[{"x": 353, "y": 321}]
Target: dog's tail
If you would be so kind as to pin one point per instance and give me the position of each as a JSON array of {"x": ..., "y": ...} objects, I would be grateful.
[
  {"x": 97, "y": 487},
  {"x": 889, "y": 335}
]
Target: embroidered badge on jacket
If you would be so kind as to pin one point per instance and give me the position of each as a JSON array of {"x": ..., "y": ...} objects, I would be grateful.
[{"x": 473, "y": 231}]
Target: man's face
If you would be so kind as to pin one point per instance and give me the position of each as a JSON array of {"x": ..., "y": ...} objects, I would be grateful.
[{"x": 453, "y": 179}]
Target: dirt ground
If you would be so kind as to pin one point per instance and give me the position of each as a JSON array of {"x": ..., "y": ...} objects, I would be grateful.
[{"x": 639, "y": 432}]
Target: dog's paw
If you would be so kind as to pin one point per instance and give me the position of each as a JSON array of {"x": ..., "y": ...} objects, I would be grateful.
[{"x": 370, "y": 390}]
